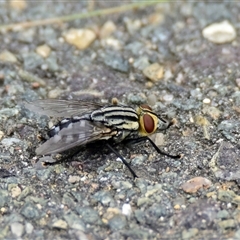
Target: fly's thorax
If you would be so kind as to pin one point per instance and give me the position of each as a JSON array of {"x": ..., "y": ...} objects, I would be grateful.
[
  {"x": 117, "y": 117},
  {"x": 149, "y": 122}
]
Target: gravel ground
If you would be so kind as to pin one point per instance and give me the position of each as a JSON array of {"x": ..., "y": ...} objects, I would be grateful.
[{"x": 158, "y": 55}]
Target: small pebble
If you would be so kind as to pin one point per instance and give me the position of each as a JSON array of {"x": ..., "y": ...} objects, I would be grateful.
[
  {"x": 30, "y": 211},
  {"x": 159, "y": 139},
  {"x": 29, "y": 77},
  {"x": 43, "y": 50},
  {"x": 214, "y": 112},
  {"x": 149, "y": 84},
  {"x": 220, "y": 33},
  {"x": 35, "y": 85},
  {"x": 189, "y": 233},
  {"x": 201, "y": 121},
  {"x": 168, "y": 97},
  {"x": 238, "y": 82},
  {"x": 139, "y": 160},
  {"x": 61, "y": 224},
  {"x": 132, "y": 25},
  {"x": 80, "y": 38},
  {"x": 112, "y": 42},
  {"x": 177, "y": 207},
  {"x": 141, "y": 63},
  {"x": 168, "y": 74},
  {"x": 18, "y": 4},
  {"x": 8, "y": 142},
  {"x": 73, "y": 179},
  {"x": 226, "y": 224},
  {"x": 7, "y": 56},
  {"x": 17, "y": 229},
  {"x": 143, "y": 200},
  {"x": 180, "y": 78},
  {"x": 152, "y": 99},
  {"x": 107, "y": 29},
  {"x": 194, "y": 184},
  {"x": 206, "y": 100},
  {"x": 16, "y": 191},
  {"x": 55, "y": 93},
  {"x": 154, "y": 72},
  {"x": 126, "y": 209},
  {"x": 29, "y": 228},
  {"x": 1, "y": 134},
  {"x": 117, "y": 222}
]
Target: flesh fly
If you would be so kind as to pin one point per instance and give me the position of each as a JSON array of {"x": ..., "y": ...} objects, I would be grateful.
[{"x": 89, "y": 122}]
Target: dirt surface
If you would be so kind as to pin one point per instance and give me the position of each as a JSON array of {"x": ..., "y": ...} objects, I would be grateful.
[{"x": 155, "y": 55}]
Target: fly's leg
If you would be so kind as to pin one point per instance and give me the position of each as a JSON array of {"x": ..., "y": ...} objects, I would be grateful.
[
  {"x": 123, "y": 160},
  {"x": 137, "y": 140},
  {"x": 161, "y": 152}
]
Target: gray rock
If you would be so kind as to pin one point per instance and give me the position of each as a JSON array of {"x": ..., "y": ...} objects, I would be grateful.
[
  {"x": 26, "y": 191},
  {"x": 141, "y": 184},
  {"x": 29, "y": 228},
  {"x": 32, "y": 61},
  {"x": 226, "y": 224},
  {"x": 104, "y": 197},
  {"x": 30, "y": 211},
  {"x": 14, "y": 217},
  {"x": 17, "y": 229},
  {"x": 89, "y": 215},
  {"x": 4, "y": 197},
  {"x": 223, "y": 214},
  {"x": 74, "y": 221},
  {"x": 8, "y": 112},
  {"x": 117, "y": 222},
  {"x": 44, "y": 174},
  {"x": 52, "y": 64},
  {"x": 139, "y": 160},
  {"x": 137, "y": 233},
  {"x": 190, "y": 233}
]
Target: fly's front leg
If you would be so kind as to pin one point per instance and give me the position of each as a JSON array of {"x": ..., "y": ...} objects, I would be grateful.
[
  {"x": 161, "y": 152},
  {"x": 138, "y": 140}
]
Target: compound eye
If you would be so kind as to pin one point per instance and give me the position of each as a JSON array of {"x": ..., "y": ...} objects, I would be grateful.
[
  {"x": 145, "y": 106},
  {"x": 148, "y": 123}
]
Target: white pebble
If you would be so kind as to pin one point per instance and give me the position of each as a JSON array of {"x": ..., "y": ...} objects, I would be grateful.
[
  {"x": 206, "y": 100},
  {"x": 126, "y": 209},
  {"x": 222, "y": 32}
]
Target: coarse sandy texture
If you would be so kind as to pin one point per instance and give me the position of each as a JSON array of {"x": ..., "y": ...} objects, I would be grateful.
[{"x": 155, "y": 55}]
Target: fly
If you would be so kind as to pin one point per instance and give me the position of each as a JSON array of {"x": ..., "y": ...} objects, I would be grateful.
[{"x": 89, "y": 122}]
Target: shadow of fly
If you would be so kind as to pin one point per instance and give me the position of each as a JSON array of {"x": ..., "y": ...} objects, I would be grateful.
[{"x": 85, "y": 122}]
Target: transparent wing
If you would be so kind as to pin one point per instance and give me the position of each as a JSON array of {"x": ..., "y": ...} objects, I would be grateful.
[
  {"x": 62, "y": 108},
  {"x": 76, "y": 134}
]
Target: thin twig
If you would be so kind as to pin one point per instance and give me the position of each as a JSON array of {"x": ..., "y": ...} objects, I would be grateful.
[{"x": 67, "y": 18}]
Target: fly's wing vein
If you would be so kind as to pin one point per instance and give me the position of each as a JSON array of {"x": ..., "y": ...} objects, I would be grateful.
[
  {"x": 62, "y": 108},
  {"x": 76, "y": 134}
]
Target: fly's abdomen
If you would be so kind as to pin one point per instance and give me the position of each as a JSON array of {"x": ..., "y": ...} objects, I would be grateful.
[
  {"x": 118, "y": 117},
  {"x": 62, "y": 124}
]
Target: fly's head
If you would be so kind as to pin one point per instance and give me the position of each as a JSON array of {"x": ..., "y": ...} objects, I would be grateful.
[{"x": 150, "y": 122}]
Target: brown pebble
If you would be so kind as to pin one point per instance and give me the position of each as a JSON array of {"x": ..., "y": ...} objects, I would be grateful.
[
  {"x": 154, "y": 72},
  {"x": 194, "y": 184}
]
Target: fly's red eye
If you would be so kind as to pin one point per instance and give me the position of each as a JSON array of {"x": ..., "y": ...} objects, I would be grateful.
[
  {"x": 145, "y": 106},
  {"x": 148, "y": 123}
]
